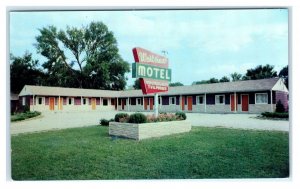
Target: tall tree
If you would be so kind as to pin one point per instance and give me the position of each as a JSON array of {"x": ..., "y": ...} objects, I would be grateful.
[
  {"x": 85, "y": 57},
  {"x": 211, "y": 80},
  {"x": 236, "y": 76},
  {"x": 24, "y": 71},
  {"x": 137, "y": 84},
  {"x": 260, "y": 72},
  {"x": 284, "y": 73},
  {"x": 224, "y": 79},
  {"x": 175, "y": 84}
]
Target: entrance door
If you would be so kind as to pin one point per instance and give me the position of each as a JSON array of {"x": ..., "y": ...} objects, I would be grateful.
[
  {"x": 93, "y": 103},
  {"x": 190, "y": 103},
  {"x": 51, "y": 103},
  {"x": 151, "y": 103},
  {"x": 182, "y": 102},
  {"x": 245, "y": 103},
  {"x": 145, "y": 103},
  {"x": 233, "y": 102}
]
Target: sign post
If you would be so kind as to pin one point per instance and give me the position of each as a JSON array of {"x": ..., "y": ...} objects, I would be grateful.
[{"x": 152, "y": 69}]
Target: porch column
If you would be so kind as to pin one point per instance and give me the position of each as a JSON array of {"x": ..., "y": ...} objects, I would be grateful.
[
  {"x": 32, "y": 103},
  {"x": 205, "y": 102},
  {"x": 271, "y": 101},
  {"x": 59, "y": 103},
  {"x": 128, "y": 105},
  {"x": 117, "y": 104}
]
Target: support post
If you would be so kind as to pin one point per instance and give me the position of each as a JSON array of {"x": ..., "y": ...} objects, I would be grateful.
[
  {"x": 128, "y": 104},
  {"x": 205, "y": 103},
  {"x": 156, "y": 105},
  {"x": 271, "y": 100},
  {"x": 32, "y": 103}
]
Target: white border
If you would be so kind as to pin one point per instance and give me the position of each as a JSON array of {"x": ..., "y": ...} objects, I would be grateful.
[
  {"x": 213, "y": 183},
  {"x": 218, "y": 102}
]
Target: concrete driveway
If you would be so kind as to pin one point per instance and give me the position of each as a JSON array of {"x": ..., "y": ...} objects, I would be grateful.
[{"x": 49, "y": 121}]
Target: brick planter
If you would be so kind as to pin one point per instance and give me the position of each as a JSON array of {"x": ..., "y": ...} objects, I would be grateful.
[{"x": 148, "y": 130}]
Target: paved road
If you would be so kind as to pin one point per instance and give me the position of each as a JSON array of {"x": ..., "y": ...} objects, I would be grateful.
[{"x": 49, "y": 121}]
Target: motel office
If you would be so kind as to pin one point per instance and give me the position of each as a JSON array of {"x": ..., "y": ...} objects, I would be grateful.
[{"x": 251, "y": 96}]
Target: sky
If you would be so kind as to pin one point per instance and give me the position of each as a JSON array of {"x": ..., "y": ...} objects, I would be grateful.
[{"x": 200, "y": 44}]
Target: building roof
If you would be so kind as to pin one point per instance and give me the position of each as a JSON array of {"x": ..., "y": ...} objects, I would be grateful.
[
  {"x": 14, "y": 96},
  {"x": 237, "y": 86},
  {"x": 61, "y": 91}
]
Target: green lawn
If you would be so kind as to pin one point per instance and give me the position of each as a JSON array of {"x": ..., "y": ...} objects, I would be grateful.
[{"x": 89, "y": 153}]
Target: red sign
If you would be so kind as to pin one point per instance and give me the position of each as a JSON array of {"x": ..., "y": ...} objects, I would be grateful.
[
  {"x": 153, "y": 86},
  {"x": 146, "y": 57}
]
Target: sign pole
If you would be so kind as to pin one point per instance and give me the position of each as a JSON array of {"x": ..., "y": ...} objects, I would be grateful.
[{"x": 156, "y": 105}]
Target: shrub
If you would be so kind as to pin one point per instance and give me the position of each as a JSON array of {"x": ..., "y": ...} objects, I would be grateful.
[
  {"x": 275, "y": 115},
  {"x": 122, "y": 116},
  {"x": 137, "y": 118},
  {"x": 104, "y": 122},
  {"x": 23, "y": 116},
  {"x": 180, "y": 115},
  {"x": 279, "y": 107}
]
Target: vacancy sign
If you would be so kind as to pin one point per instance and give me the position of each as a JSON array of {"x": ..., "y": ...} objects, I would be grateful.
[{"x": 152, "y": 69}]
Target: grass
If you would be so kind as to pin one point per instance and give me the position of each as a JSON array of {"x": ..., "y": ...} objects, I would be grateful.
[
  {"x": 23, "y": 116},
  {"x": 89, "y": 153}
]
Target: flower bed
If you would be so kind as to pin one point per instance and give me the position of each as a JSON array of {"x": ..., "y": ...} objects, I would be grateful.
[{"x": 139, "y": 131}]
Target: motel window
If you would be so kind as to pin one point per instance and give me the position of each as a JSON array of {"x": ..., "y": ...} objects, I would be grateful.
[
  {"x": 159, "y": 100},
  {"x": 261, "y": 98},
  {"x": 39, "y": 100},
  {"x": 24, "y": 101},
  {"x": 105, "y": 102},
  {"x": 138, "y": 101},
  {"x": 200, "y": 99},
  {"x": 84, "y": 101},
  {"x": 172, "y": 100},
  {"x": 112, "y": 101},
  {"x": 70, "y": 101},
  {"x": 220, "y": 99}
]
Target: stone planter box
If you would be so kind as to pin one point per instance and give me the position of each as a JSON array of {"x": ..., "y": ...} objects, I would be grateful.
[{"x": 148, "y": 130}]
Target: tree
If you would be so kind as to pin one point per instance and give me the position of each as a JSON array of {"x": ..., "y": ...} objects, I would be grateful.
[
  {"x": 224, "y": 79},
  {"x": 236, "y": 76},
  {"x": 260, "y": 72},
  {"x": 137, "y": 84},
  {"x": 284, "y": 73},
  {"x": 211, "y": 80},
  {"x": 24, "y": 71},
  {"x": 85, "y": 57},
  {"x": 175, "y": 84}
]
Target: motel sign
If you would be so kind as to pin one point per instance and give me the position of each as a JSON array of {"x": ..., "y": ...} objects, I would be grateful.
[{"x": 152, "y": 69}]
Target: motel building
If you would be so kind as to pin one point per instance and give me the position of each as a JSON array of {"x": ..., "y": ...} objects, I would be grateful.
[{"x": 250, "y": 96}]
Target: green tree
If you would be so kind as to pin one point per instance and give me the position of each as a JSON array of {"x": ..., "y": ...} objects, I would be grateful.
[
  {"x": 137, "y": 84},
  {"x": 85, "y": 57},
  {"x": 24, "y": 71},
  {"x": 260, "y": 72},
  {"x": 224, "y": 79},
  {"x": 236, "y": 76},
  {"x": 211, "y": 80},
  {"x": 175, "y": 84},
  {"x": 284, "y": 73}
]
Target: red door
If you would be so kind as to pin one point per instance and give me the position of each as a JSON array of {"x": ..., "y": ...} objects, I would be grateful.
[
  {"x": 151, "y": 103},
  {"x": 233, "y": 102},
  {"x": 182, "y": 102},
  {"x": 51, "y": 103},
  {"x": 190, "y": 103},
  {"x": 245, "y": 103},
  {"x": 145, "y": 103}
]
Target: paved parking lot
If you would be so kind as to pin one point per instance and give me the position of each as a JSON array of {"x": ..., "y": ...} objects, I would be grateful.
[{"x": 49, "y": 121}]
